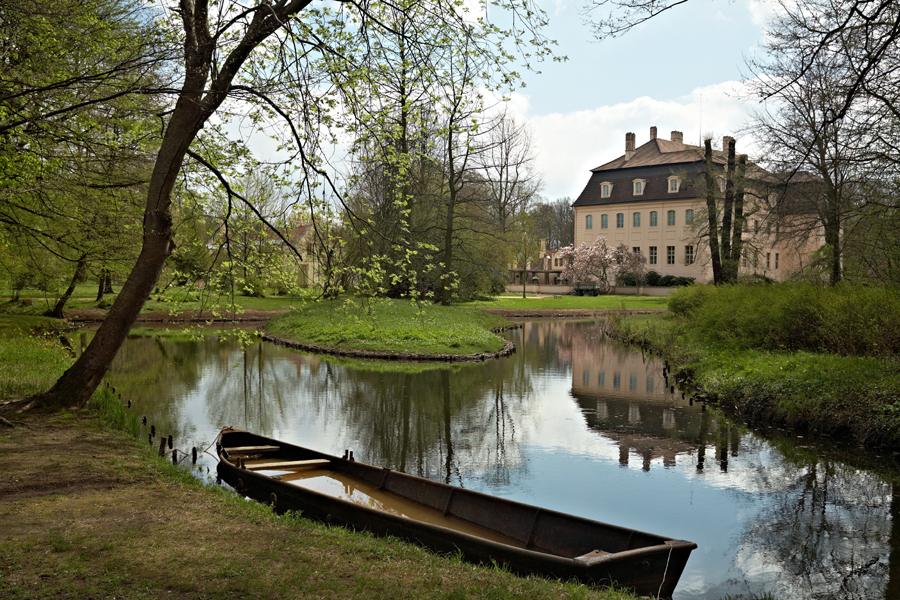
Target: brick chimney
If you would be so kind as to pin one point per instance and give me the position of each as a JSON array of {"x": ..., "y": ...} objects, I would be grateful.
[
  {"x": 629, "y": 145},
  {"x": 725, "y": 141},
  {"x": 678, "y": 136},
  {"x": 653, "y": 133}
]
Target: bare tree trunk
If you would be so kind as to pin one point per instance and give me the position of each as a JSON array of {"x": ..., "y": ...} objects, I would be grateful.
[
  {"x": 101, "y": 286},
  {"x": 57, "y": 311},
  {"x": 712, "y": 216},
  {"x": 729, "y": 270},
  {"x": 737, "y": 235},
  {"x": 107, "y": 282},
  {"x": 446, "y": 291}
]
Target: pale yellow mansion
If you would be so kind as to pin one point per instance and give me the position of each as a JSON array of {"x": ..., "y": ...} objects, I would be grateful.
[{"x": 652, "y": 199}]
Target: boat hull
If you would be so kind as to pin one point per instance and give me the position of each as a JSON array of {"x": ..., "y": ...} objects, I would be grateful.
[{"x": 542, "y": 541}]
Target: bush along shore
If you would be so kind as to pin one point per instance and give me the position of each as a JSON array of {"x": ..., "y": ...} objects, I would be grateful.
[
  {"x": 823, "y": 360},
  {"x": 392, "y": 330}
]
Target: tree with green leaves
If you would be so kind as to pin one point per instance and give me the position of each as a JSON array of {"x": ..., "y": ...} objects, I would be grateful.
[{"x": 263, "y": 54}]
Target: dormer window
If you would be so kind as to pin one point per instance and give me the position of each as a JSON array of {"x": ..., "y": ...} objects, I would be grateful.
[
  {"x": 605, "y": 189},
  {"x": 639, "y": 185},
  {"x": 674, "y": 184}
]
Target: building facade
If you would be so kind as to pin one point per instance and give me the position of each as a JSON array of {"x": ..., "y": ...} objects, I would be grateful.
[{"x": 653, "y": 200}]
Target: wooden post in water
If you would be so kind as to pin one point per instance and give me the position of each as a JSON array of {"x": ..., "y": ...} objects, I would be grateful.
[
  {"x": 162, "y": 446},
  {"x": 174, "y": 457},
  {"x": 194, "y": 455},
  {"x": 170, "y": 442}
]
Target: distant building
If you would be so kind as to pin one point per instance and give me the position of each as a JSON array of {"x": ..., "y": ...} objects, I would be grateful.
[{"x": 653, "y": 199}]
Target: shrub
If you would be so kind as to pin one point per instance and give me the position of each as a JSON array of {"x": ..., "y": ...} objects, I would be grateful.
[{"x": 847, "y": 319}]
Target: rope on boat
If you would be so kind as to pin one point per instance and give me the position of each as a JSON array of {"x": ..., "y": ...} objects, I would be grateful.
[{"x": 663, "y": 582}]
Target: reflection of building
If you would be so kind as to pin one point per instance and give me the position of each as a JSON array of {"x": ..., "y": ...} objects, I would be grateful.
[{"x": 624, "y": 395}]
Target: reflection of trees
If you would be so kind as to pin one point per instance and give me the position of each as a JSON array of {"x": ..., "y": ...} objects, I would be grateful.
[
  {"x": 825, "y": 532},
  {"x": 446, "y": 424}
]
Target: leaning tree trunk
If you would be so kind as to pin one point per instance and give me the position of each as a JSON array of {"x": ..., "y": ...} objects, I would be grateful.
[
  {"x": 198, "y": 99},
  {"x": 77, "y": 384},
  {"x": 57, "y": 312}
]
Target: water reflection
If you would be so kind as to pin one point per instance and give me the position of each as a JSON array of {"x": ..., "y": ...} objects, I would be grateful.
[{"x": 569, "y": 422}]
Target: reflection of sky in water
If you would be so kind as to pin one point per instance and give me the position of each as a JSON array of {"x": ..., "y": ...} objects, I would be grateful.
[{"x": 536, "y": 429}]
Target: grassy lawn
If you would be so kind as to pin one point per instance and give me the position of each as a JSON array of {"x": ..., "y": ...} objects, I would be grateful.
[
  {"x": 173, "y": 299},
  {"x": 850, "y": 396},
  {"x": 571, "y": 302},
  {"x": 29, "y": 363},
  {"x": 390, "y": 326}
]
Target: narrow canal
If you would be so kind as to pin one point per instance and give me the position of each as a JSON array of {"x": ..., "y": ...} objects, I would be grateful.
[{"x": 571, "y": 422}]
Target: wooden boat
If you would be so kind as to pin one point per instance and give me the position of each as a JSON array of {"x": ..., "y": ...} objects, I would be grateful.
[{"x": 448, "y": 519}]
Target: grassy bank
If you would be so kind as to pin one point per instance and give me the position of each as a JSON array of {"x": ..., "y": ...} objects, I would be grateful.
[
  {"x": 30, "y": 361},
  {"x": 800, "y": 356},
  {"x": 390, "y": 326},
  {"x": 572, "y": 302}
]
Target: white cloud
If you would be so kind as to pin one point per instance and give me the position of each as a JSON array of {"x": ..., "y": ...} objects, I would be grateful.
[{"x": 571, "y": 144}]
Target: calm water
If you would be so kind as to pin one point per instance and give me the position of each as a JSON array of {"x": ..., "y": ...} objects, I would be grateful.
[{"x": 571, "y": 423}]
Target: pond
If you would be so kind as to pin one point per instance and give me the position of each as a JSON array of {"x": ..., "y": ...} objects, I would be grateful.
[{"x": 571, "y": 422}]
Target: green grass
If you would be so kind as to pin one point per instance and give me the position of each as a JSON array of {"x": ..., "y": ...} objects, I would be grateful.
[
  {"x": 856, "y": 397},
  {"x": 171, "y": 300},
  {"x": 572, "y": 302},
  {"x": 29, "y": 363},
  {"x": 390, "y": 326}
]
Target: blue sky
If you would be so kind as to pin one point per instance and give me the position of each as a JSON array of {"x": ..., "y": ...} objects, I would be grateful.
[{"x": 580, "y": 110}]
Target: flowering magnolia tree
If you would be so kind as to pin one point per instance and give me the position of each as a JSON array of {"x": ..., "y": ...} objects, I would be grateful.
[
  {"x": 589, "y": 264},
  {"x": 600, "y": 264},
  {"x": 629, "y": 263}
]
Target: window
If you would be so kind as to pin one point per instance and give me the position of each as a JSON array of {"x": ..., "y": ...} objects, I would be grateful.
[
  {"x": 653, "y": 215},
  {"x": 670, "y": 216},
  {"x": 670, "y": 255},
  {"x": 604, "y": 221},
  {"x": 601, "y": 379},
  {"x": 636, "y": 219},
  {"x": 652, "y": 255},
  {"x": 605, "y": 189},
  {"x": 639, "y": 185},
  {"x": 776, "y": 260},
  {"x": 636, "y": 250},
  {"x": 632, "y": 383},
  {"x": 674, "y": 184},
  {"x": 620, "y": 220},
  {"x": 589, "y": 222},
  {"x": 689, "y": 216},
  {"x": 768, "y": 260},
  {"x": 617, "y": 379},
  {"x": 586, "y": 377},
  {"x": 555, "y": 262},
  {"x": 688, "y": 255}
]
